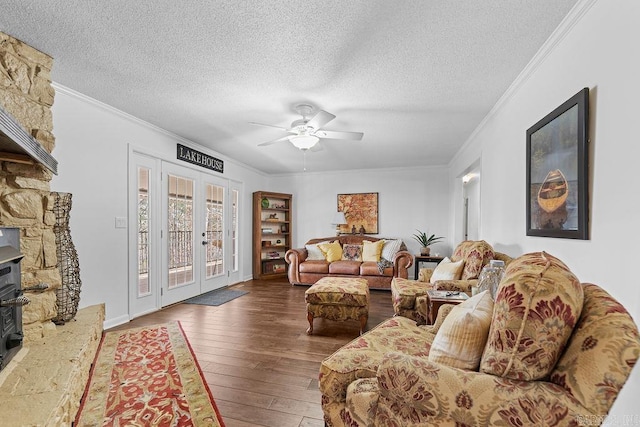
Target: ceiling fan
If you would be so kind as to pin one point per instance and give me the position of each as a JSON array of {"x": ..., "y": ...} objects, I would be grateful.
[{"x": 306, "y": 132}]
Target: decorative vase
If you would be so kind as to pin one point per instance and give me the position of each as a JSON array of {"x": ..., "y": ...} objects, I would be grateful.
[
  {"x": 425, "y": 251},
  {"x": 68, "y": 295}
]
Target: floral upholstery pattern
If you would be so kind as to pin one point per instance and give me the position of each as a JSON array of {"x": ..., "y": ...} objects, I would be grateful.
[
  {"x": 537, "y": 305},
  {"x": 361, "y": 402},
  {"x": 602, "y": 351},
  {"x": 405, "y": 293},
  {"x": 361, "y": 358},
  {"x": 338, "y": 298},
  {"x": 403, "y": 296},
  {"x": 476, "y": 254},
  {"x": 385, "y": 378}
]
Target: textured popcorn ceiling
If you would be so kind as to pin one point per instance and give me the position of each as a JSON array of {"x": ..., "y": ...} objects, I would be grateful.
[{"x": 416, "y": 76}]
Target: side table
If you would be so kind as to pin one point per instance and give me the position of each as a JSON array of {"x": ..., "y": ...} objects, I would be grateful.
[
  {"x": 437, "y": 298},
  {"x": 424, "y": 258}
]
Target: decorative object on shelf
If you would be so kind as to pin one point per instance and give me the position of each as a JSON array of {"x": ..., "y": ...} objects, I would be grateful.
[
  {"x": 360, "y": 210},
  {"x": 425, "y": 241},
  {"x": 339, "y": 220},
  {"x": 273, "y": 216},
  {"x": 284, "y": 228},
  {"x": 361, "y": 230},
  {"x": 266, "y": 243},
  {"x": 265, "y": 203},
  {"x": 557, "y": 171},
  {"x": 278, "y": 241}
]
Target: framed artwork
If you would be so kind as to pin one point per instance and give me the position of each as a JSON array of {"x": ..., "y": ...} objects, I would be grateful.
[
  {"x": 557, "y": 171},
  {"x": 360, "y": 211}
]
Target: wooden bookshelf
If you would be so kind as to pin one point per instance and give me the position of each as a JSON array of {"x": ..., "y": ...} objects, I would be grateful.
[{"x": 271, "y": 234}]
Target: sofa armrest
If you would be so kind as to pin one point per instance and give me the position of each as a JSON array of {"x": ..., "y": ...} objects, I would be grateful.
[
  {"x": 401, "y": 263},
  {"x": 455, "y": 285},
  {"x": 294, "y": 257},
  {"x": 414, "y": 391}
]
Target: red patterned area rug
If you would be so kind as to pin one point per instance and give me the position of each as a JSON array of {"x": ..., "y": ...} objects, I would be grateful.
[{"x": 147, "y": 377}]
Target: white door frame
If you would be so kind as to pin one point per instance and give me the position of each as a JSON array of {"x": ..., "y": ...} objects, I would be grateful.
[{"x": 159, "y": 295}]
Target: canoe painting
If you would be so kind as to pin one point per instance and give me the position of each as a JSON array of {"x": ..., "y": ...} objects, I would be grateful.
[{"x": 553, "y": 191}]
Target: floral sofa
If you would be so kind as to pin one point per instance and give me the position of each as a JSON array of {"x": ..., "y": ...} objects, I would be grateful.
[
  {"x": 409, "y": 296},
  {"x": 555, "y": 352},
  {"x": 307, "y": 265}
]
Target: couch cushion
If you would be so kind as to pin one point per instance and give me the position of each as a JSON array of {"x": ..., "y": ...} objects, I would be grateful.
[
  {"x": 602, "y": 351},
  {"x": 351, "y": 268},
  {"x": 351, "y": 252},
  {"x": 475, "y": 255},
  {"x": 314, "y": 253},
  {"x": 447, "y": 270},
  {"x": 331, "y": 251},
  {"x": 537, "y": 306},
  {"x": 371, "y": 251},
  {"x": 314, "y": 267},
  {"x": 390, "y": 249},
  {"x": 461, "y": 338},
  {"x": 349, "y": 292},
  {"x": 372, "y": 269}
]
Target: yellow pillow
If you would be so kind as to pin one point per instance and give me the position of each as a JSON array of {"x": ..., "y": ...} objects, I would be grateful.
[
  {"x": 462, "y": 336},
  {"x": 371, "y": 250},
  {"x": 331, "y": 251}
]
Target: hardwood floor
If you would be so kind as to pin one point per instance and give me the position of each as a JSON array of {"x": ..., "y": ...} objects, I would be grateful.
[{"x": 261, "y": 366}]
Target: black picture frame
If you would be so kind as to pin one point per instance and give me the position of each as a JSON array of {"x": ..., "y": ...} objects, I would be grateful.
[{"x": 557, "y": 171}]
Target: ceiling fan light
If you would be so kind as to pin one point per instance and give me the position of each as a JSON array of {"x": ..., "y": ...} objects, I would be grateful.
[{"x": 303, "y": 142}]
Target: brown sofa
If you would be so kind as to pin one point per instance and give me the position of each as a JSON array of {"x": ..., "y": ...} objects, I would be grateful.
[{"x": 307, "y": 272}]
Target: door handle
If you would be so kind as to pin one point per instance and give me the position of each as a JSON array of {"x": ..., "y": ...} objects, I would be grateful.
[{"x": 204, "y": 243}]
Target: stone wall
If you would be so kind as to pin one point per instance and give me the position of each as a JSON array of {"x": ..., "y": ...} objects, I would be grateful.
[{"x": 25, "y": 200}]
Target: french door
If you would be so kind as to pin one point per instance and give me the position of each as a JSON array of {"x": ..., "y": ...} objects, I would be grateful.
[{"x": 183, "y": 233}]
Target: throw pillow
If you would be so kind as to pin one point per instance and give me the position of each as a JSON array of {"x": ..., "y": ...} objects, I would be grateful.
[
  {"x": 331, "y": 251},
  {"x": 352, "y": 252},
  {"x": 447, "y": 270},
  {"x": 461, "y": 339},
  {"x": 371, "y": 251},
  {"x": 314, "y": 253},
  {"x": 390, "y": 249},
  {"x": 537, "y": 305}
]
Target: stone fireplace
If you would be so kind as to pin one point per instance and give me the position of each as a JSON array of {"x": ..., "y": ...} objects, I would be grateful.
[{"x": 38, "y": 380}]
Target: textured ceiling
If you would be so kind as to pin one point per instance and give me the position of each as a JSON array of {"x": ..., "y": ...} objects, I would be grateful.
[{"x": 416, "y": 76}]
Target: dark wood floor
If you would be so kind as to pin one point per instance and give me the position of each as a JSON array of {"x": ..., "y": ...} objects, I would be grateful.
[{"x": 261, "y": 366}]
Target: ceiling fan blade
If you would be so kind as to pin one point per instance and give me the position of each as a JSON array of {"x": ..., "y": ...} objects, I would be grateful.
[
  {"x": 284, "y": 138},
  {"x": 320, "y": 119},
  {"x": 271, "y": 126},
  {"x": 353, "y": 136}
]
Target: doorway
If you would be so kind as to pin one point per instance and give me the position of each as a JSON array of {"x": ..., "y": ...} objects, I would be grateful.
[{"x": 184, "y": 233}]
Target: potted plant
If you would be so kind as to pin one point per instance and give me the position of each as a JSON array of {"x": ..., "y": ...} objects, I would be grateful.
[{"x": 425, "y": 241}]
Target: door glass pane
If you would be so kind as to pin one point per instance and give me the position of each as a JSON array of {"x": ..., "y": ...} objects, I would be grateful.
[
  {"x": 215, "y": 230},
  {"x": 234, "y": 230},
  {"x": 180, "y": 228},
  {"x": 143, "y": 231}
]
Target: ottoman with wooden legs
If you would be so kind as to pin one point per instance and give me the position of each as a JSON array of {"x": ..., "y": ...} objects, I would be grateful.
[{"x": 338, "y": 298}]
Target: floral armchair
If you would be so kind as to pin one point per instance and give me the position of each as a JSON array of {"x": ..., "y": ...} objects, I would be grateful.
[
  {"x": 409, "y": 296},
  {"x": 557, "y": 353}
]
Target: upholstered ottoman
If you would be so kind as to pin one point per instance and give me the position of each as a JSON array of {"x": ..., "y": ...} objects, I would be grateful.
[{"x": 338, "y": 298}]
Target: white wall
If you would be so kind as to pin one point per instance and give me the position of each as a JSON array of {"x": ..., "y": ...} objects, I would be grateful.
[
  {"x": 408, "y": 199},
  {"x": 92, "y": 143},
  {"x": 598, "y": 50}
]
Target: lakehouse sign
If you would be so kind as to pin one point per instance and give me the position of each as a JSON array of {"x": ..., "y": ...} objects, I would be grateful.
[{"x": 198, "y": 158}]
